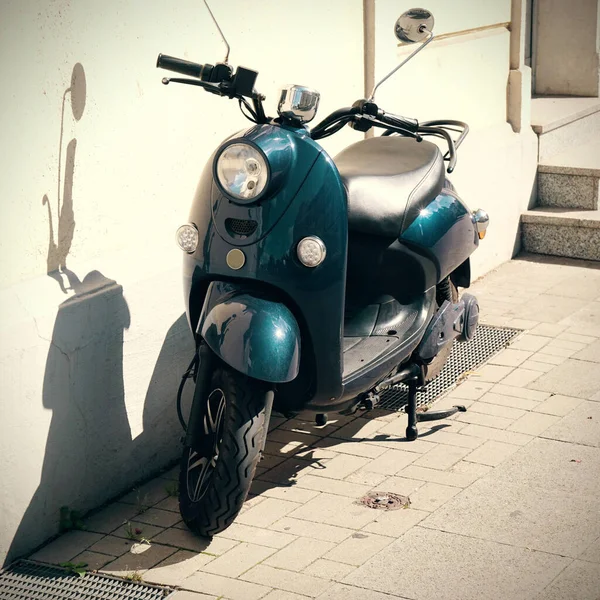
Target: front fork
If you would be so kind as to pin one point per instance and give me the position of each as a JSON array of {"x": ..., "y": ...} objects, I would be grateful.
[{"x": 195, "y": 436}]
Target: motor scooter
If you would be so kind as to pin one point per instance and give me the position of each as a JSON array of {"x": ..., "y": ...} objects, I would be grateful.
[{"x": 314, "y": 283}]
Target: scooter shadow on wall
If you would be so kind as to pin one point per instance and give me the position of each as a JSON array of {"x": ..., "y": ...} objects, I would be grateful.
[
  {"x": 90, "y": 454},
  {"x": 83, "y": 379}
]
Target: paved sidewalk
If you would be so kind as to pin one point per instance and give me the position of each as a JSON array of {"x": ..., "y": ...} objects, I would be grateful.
[{"x": 505, "y": 498}]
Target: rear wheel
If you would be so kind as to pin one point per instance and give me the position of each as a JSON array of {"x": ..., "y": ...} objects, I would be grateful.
[{"x": 215, "y": 476}]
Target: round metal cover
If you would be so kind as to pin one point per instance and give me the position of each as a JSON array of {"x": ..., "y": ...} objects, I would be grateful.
[{"x": 385, "y": 501}]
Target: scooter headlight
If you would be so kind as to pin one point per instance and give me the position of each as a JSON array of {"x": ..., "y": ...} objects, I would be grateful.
[{"x": 242, "y": 171}]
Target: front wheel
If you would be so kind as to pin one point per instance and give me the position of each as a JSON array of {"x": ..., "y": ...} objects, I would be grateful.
[{"x": 215, "y": 476}]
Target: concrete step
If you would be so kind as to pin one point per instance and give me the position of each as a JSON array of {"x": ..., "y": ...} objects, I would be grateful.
[
  {"x": 561, "y": 232},
  {"x": 571, "y": 179},
  {"x": 564, "y": 123}
]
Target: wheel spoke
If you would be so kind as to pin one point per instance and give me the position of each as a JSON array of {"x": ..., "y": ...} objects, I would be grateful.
[
  {"x": 214, "y": 411},
  {"x": 201, "y": 464}
]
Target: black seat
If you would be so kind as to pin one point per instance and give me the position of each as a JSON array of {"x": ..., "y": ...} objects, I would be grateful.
[{"x": 388, "y": 181}]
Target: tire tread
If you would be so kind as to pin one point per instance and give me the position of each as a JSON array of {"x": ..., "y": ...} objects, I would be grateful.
[{"x": 239, "y": 454}]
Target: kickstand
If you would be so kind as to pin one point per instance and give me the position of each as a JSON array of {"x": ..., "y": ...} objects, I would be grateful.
[{"x": 412, "y": 433}]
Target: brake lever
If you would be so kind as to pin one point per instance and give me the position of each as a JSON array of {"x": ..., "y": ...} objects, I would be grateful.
[{"x": 213, "y": 88}]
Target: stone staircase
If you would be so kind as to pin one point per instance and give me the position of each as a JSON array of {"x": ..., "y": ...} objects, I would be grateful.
[{"x": 566, "y": 219}]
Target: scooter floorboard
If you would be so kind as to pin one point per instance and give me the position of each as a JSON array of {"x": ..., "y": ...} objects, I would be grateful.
[{"x": 360, "y": 351}]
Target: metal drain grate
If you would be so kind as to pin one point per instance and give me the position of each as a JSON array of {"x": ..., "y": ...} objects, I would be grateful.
[
  {"x": 464, "y": 357},
  {"x": 26, "y": 580}
]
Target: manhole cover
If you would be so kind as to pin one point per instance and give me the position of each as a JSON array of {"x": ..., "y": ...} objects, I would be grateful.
[
  {"x": 466, "y": 356},
  {"x": 385, "y": 501},
  {"x": 26, "y": 580}
]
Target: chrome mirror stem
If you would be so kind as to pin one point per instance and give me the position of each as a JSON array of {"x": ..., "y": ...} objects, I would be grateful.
[
  {"x": 222, "y": 36},
  {"x": 430, "y": 34}
]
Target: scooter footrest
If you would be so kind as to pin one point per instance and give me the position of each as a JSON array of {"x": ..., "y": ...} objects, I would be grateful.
[{"x": 436, "y": 415}]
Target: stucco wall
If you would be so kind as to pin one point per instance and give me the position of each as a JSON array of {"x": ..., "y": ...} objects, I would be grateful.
[
  {"x": 89, "y": 375},
  {"x": 90, "y": 359}
]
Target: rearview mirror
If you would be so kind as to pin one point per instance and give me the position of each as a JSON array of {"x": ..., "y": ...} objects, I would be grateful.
[{"x": 415, "y": 25}]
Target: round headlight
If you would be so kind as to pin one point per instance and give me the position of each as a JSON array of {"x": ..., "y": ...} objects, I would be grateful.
[
  {"x": 187, "y": 238},
  {"x": 311, "y": 251},
  {"x": 242, "y": 171}
]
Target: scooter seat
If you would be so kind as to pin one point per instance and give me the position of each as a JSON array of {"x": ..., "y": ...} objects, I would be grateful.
[{"x": 388, "y": 181}]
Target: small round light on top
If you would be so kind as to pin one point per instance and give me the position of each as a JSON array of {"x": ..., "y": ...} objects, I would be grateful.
[
  {"x": 311, "y": 251},
  {"x": 187, "y": 238}
]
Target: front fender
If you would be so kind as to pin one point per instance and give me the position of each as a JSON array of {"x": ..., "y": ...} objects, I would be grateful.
[{"x": 255, "y": 336}]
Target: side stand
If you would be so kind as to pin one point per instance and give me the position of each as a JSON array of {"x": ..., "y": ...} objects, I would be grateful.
[{"x": 412, "y": 433}]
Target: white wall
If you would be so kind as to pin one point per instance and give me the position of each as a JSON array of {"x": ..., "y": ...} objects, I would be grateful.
[{"x": 88, "y": 376}]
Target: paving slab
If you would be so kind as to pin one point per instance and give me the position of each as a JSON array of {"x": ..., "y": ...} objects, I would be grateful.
[
  {"x": 547, "y": 465},
  {"x": 525, "y": 504},
  {"x": 395, "y": 522},
  {"x": 585, "y": 321},
  {"x": 435, "y": 565},
  {"x": 492, "y": 453},
  {"x": 329, "y": 569},
  {"x": 580, "y": 426},
  {"x": 111, "y": 517},
  {"x": 257, "y": 535},
  {"x": 590, "y": 353},
  {"x": 298, "y": 583},
  {"x": 558, "y": 405},
  {"x": 299, "y": 554},
  {"x": 112, "y": 545},
  {"x": 67, "y": 546},
  {"x": 177, "y": 567},
  {"x": 319, "y": 531},
  {"x": 577, "y": 378},
  {"x": 140, "y": 558},
  {"x": 186, "y": 540},
  {"x": 358, "y": 548},
  {"x": 238, "y": 560},
  {"x": 348, "y": 592},
  {"x": 592, "y": 553},
  {"x": 185, "y": 595},
  {"x": 533, "y": 423},
  {"x": 224, "y": 587},
  {"x": 92, "y": 560},
  {"x": 548, "y": 308},
  {"x": 281, "y": 595},
  {"x": 580, "y": 581},
  {"x": 335, "y": 510}
]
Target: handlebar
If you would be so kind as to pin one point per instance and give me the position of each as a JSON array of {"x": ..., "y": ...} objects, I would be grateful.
[
  {"x": 406, "y": 123},
  {"x": 184, "y": 67}
]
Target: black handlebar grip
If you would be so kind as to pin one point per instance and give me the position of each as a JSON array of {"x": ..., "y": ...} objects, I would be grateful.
[
  {"x": 184, "y": 67},
  {"x": 407, "y": 123}
]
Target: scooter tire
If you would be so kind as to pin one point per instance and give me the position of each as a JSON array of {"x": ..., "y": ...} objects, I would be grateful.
[{"x": 239, "y": 444}]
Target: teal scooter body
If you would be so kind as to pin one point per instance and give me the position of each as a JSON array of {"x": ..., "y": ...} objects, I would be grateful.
[{"x": 304, "y": 197}]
